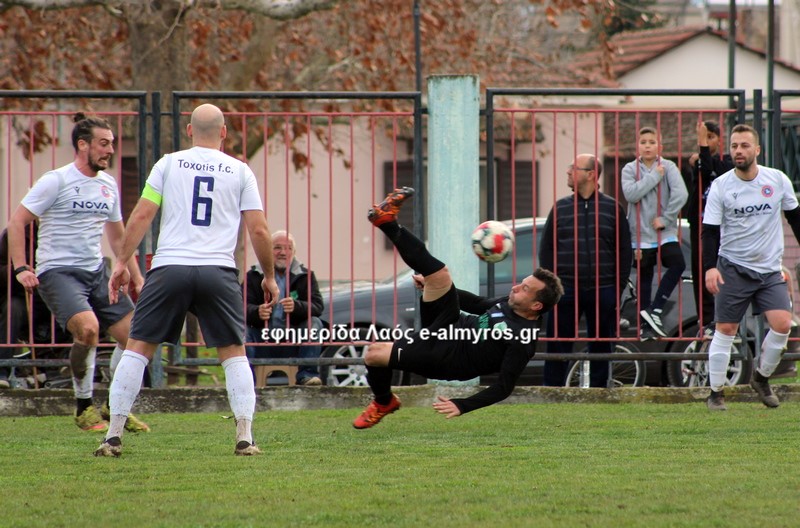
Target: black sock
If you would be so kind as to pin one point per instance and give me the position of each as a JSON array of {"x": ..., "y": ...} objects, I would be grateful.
[
  {"x": 380, "y": 381},
  {"x": 411, "y": 249},
  {"x": 81, "y": 404}
]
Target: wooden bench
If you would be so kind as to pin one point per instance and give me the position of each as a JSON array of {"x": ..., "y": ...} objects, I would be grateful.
[{"x": 263, "y": 372}]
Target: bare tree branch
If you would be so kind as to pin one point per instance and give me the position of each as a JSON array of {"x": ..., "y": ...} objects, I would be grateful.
[{"x": 277, "y": 9}]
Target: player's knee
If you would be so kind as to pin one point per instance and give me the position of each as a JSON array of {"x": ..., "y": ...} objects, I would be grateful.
[
  {"x": 439, "y": 279},
  {"x": 782, "y": 327},
  {"x": 728, "y": 329},
  {"x": 377, "y": 354},
  {"x": 87, "y": 333}
]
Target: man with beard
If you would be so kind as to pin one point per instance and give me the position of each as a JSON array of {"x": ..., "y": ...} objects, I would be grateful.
[
  {"x": 742, "y": 252},
  {"x": 74, "y": 205},
  {"x": 436, "y": 351}
]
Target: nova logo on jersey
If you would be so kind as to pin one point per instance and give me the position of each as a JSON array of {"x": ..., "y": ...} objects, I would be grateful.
[
  {"x": 753, "y": 209},
  {"x": 88, "y": 205}
]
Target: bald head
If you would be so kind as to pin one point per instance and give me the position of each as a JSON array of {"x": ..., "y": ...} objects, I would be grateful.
[{"x": 207, "y": 128}]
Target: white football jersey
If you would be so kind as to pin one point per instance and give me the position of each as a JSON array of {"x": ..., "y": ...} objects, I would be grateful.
[
  {"x": 72, "y": 209},
  {"x": 202, "y": 197},
  {"x": 749, "y": 216}
]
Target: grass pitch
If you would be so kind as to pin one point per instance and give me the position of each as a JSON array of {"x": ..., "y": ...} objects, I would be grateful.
[{"x": 507, "y": 465}]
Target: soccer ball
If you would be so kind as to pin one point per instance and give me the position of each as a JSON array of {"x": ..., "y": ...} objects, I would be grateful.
[{"x": 492, "y": 241}]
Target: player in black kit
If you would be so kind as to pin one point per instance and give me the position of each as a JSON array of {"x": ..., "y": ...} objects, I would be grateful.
[{"x": 505, "y": 326}]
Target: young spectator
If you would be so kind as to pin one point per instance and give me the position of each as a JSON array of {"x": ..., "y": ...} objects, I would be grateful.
[
  {"x": 706, "y": 165},
  {"x": 655, "y": 192}
]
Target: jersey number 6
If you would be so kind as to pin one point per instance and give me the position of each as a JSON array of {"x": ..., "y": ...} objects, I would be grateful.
[{"x": 205, "y": 201}]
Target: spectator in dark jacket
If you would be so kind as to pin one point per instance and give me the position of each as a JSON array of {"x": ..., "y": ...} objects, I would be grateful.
[
  {"x": 298, "y": 308},
  {"x": 586, "y": 242},
  {"x": 706, "y": 167},
  {"x": 18, "y": 330}
]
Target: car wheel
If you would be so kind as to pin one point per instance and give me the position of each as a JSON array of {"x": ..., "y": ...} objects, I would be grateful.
[
  {"x": 694, "y": 373},
  {"x": 624, "y": 373},
  {"x": 349, "y": 375}
]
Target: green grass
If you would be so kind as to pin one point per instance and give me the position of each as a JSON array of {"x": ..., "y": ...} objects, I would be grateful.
[{"x": 508, "y": 465}]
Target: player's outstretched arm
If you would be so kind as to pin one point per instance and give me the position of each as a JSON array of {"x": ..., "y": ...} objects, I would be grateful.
[{"x": 446, "y": 407}]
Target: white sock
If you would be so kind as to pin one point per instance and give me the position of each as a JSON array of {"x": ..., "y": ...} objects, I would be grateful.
[
  {"x": 771, "y": 350},
  {"x": 84, "y": 386},
  {"x": 244, "y": 430},
  {"x": 116, "y": 355},
  {"x": 719, "y": 355},
  {"x": 124, "y": 388},
  {"x": 241, "y": 394}
]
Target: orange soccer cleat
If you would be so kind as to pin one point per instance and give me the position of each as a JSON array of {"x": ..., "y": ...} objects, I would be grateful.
[
  {"x": 387, "y": 210},
  {"x": 375, "y": 412}
]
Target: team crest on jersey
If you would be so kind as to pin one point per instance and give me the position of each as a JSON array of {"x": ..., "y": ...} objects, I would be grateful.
[
  {"x": 767, "y": 191},
  {"x": 105, "y": 191}
]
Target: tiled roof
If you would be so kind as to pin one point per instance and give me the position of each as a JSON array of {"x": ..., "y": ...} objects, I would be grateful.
[{"x": 635, "y": 48}]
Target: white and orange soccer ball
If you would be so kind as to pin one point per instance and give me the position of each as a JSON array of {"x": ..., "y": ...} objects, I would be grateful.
[{"x": 492, "y": 241}]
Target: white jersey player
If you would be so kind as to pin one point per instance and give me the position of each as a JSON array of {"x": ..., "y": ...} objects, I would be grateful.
[
  {"x": 742, "y": 252},
  {"x": 202, "y": 194},
  {"x": 74, "y": 206}
]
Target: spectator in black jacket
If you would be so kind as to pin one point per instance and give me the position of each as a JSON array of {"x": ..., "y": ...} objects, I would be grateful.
[
  {"x": 298, "y": 308},
  {"x": 706, "y": 167},
  {"x": 19, "y": 329},
  {"x": 587, "y": 243}
]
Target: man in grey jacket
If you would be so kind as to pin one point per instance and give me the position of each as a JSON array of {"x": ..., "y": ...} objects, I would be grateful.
[{"x": 655, "y": 192}]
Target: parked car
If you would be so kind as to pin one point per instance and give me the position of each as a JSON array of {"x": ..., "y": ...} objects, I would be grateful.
[{"x": 392, "y": 304}]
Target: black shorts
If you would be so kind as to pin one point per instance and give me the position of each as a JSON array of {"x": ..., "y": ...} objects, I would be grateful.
[
  {"x": 212, "y": 293},
  {"x": 68, "y": 291},
  {"x": 429, "y": 357}
]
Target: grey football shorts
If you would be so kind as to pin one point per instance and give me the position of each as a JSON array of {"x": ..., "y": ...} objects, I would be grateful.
[
  {"x": 767, "y": 291},
  {"x": 212, "y": 293},
  {"x": 68, "y": 291}
]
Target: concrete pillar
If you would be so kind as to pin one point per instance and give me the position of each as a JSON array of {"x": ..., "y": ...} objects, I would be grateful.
[{"x": 453, "y": 191}]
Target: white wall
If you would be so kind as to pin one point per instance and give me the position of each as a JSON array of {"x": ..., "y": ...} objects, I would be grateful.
[{"x": 702, "y": 63}]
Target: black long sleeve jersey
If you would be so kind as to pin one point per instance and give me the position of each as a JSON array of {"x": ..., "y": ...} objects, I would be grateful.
[{"x": 497, "y": 341}]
